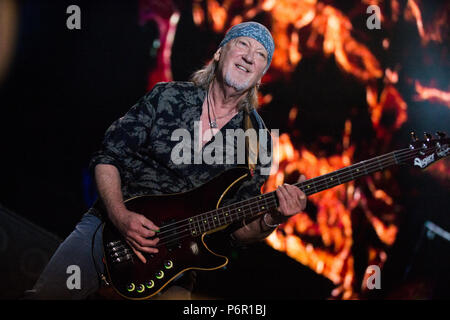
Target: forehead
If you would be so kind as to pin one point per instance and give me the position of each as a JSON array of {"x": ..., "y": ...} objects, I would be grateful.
[{"x": 255, "y": 43}]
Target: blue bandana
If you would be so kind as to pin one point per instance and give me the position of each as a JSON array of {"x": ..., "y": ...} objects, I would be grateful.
[{"x": 253, "y": 30}]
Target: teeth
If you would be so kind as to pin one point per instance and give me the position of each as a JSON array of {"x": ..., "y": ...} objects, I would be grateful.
[{"x": 242, "y": 68}]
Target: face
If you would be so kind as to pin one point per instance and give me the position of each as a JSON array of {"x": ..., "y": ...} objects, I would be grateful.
[{"x": 241, "y": 62}]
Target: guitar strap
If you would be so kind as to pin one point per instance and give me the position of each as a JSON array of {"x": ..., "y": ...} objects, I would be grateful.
[{"x": 252, "y": 120}]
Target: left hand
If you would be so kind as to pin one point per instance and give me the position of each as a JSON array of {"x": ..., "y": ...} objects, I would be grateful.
[{"x": 292, "y": 200}]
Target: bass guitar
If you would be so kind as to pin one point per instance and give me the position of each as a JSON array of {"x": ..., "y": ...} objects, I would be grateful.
[{"x": 186, "y": 218}]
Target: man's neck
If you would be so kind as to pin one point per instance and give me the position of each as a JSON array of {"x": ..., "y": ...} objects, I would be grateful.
[{"x": 224, "y": 99}]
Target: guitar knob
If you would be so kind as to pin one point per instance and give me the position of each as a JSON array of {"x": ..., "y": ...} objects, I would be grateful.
[
  {"x": 150, "y": 284},
  {"x": 140, "y": 288},
  {"x": 414, "y": 136},
  {"x": 168, "y": 264},
  {"x": 160, "y": 274},
  {"x": 427, "y": 136},
  {"x": 131, "y": 286}
]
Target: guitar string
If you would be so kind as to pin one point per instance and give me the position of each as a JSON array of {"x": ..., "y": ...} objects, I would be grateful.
[
  {"x": 320, "y": 179},
  {"x": 251, "y": 214},
  {"x": 317, "y": 183},
  {"x": 326, "y": 187},
  {"x": 183, "y": 233}
]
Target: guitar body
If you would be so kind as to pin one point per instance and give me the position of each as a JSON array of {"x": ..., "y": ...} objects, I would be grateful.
[{"x": 133, "y": 279}]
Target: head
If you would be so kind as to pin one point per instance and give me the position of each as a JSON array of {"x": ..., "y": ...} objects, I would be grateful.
[
  {"x": 256, "y": 33},
  {"x": 241, "y": 63},
  {"x": 243, "y": 57}
]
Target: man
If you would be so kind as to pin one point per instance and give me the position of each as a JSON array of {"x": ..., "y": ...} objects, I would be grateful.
[{"x": 137, "y": 158}]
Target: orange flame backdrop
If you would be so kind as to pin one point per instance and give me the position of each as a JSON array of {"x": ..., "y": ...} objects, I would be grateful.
[{"x": 313, "y": 28}]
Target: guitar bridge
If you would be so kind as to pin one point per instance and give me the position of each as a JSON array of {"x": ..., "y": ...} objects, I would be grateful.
[{"x": 119, "y": 252}]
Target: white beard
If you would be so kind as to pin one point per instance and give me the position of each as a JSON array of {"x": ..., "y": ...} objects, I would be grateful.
[{"x": 239, "y": 86}]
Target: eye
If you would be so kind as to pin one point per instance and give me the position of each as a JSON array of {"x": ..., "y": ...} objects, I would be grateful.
[
  {"x": 242, "y": 43},
  {"x": 262, "y": 54}
]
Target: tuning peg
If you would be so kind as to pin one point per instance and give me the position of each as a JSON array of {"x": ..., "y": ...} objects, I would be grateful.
[
  {"x": 414, "y": 136},
  {"x": 427, "y": 136},
  {"x": 441, "y": 134}
]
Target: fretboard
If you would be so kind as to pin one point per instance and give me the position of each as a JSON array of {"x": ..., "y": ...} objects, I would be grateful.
[{"x": 260, "y": 204}]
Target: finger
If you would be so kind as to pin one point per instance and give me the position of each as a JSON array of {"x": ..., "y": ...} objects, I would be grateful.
[
  {"x": 291, "y": 190},
  {"x": 146, "y": 244},
  {"x": 144, "y": 232},
  {"x": 302, "y": 178},
  {"x": 301, "y": 196},
  {"x": 136, "y": 252},
  {"x": 293, "y": 198},
  {"x": 281, "y": 199},
  {"x": 148, "y": 223},
  {"x": 290, "y": 195}
]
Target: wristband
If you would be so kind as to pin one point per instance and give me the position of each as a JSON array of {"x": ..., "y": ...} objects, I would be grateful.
[{"x": 269, "y": 225}]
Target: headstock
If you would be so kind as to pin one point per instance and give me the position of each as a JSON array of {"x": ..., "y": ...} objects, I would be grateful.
[{"x": 425, "y": 152}]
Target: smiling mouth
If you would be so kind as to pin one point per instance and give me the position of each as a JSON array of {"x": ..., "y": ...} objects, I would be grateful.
[{"x": 242, "y": 68}]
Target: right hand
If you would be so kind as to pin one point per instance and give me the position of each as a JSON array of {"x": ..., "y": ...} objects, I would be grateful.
[{"x": 136, "y": 230}]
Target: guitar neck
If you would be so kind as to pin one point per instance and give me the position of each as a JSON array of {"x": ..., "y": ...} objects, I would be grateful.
[{"x": 263, "y": 203}]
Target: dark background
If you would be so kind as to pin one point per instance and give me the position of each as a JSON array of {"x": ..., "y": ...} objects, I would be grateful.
[{"x": 65, "y": 87}]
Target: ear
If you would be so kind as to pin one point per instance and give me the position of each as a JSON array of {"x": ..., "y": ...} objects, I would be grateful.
[{"x": 217, "y": 54}]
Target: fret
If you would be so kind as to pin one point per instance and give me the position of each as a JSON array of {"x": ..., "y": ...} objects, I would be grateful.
[
  {"x": 272, "y": 199},
  {"x": 205, "y": 222},
  {"x": 357, "y": 171},
  {"x": 232, "y": 215},
  {"x": 395, "y": 157},
  {"x": 218, "y": 217},
  {"x": 259, "y": 203},
  {"x": 226, "y": 216},
  {"x": 380, "y": 166},
  {"x": 192, "y": 227},
  {"x": 199, "y": 222},
  {"x": 222, "y": 213},
  {"x": 363, "y": 164},
  {"x": 255, "y": 209},
  {"x": 351, "y": 174},
  {"x": 197, "y": 226},
  {"x": 240, "y": 213},
  {"x": 214, "y": 218},
  {"x": 309, "y": 187},
  {"x": 332, "y": 181},
  {"x": 338, "y": 180},
  {"x": 251, "y": 211},
  {"x": 323, "y": 187},
  {"x": 326, "y": 183},
  {"x": 264, "y": 206}
]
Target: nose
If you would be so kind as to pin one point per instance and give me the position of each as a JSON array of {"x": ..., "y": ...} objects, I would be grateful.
[{"x": 249, "y": 57}]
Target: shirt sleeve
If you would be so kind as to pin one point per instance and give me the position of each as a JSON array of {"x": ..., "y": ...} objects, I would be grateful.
[{"x": 127, "y": 135}]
